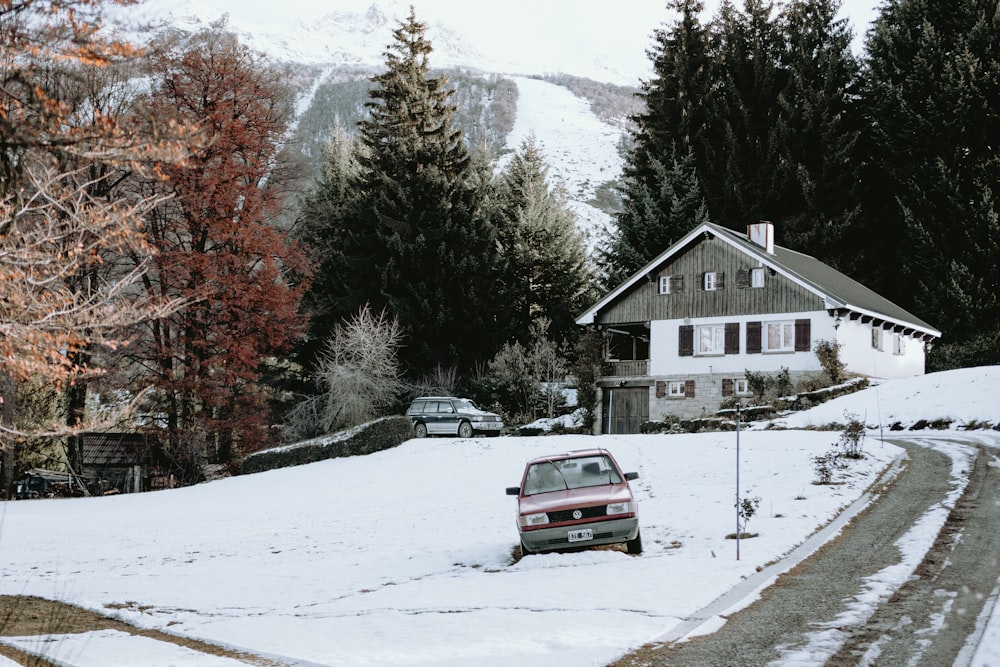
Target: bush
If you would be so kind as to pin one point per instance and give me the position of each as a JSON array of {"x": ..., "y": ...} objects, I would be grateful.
[
  {"x": 853, "y": 437},
  {"x": 828, "y": 354},
  {"x": 374, "y": 436}
]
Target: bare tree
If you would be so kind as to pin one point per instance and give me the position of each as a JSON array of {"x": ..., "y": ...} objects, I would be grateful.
[{"x": 358, "y": 370}]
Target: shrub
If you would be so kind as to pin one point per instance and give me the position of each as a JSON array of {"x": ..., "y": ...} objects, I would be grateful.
[
  {"x": 746, "y": 508},
  {"x": 828, "y": 354},
  {"x": 852, "y": 438},
  {"x": 374, "y": 436}
]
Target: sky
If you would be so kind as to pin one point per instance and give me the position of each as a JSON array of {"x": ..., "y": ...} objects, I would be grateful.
[{"x": 404, "y": 558}]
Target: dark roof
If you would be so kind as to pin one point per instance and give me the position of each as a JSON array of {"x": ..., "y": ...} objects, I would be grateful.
[
  {"x": 838, "y": 290},
  {"x": 111, "y": 449}
]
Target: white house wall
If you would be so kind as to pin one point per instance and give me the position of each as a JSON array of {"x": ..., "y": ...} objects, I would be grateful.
[
  {"x": 861, "y": 357},
  {"x": 664, "y": 361}
]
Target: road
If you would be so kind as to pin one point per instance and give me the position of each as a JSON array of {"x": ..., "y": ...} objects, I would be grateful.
[{"x": 841, "y": 606}]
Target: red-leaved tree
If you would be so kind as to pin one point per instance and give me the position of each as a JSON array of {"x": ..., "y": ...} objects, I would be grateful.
[{"x": 216, "y": 246}]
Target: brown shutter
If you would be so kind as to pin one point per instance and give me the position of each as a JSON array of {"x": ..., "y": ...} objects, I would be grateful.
[
  {"x": 753, "y": 338},
  {"x": 732, "y": 338},
  {"x": 803, "y": 335},
  {"x": 661, "y": 388},
  {"x": 686, "y": 340},
  {"x": 701, "y": 281},
  {"x": 677, "y": 283},
  {"x": 720, "y": 279},
  {"x": 727, "y": 386},
  {"x": 689, "y": 389},
  {"x": 743, "y": 279}
]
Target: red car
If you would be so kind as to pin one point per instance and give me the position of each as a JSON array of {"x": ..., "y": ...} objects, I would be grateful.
[{"x": 577, "y": 499}]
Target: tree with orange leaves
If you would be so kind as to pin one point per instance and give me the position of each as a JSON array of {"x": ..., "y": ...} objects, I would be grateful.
[{"x": 216, "y": 245}]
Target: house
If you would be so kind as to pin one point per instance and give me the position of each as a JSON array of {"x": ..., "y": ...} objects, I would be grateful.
[{"x": 684, "y": 330}]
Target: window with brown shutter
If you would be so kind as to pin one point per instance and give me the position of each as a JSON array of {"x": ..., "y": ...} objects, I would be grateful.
[
  {"x": 732, "y": 338},
  {"x": 753, "y": 338},
  {"x": 727, "y": 386},
  {"x": 743, "y": 279},
  {"x": 685, "y": 338},
  {"x": 803, "y": 335},
  {"x": 689, "y": 389},
  {"x": 661, "y": 388}
]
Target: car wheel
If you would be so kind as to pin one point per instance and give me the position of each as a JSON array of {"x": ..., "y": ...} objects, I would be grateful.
[
  {"x": 465, "y": 430},
  {"x": 420, "y": 430},
  {"x": 635, "y": 546}
]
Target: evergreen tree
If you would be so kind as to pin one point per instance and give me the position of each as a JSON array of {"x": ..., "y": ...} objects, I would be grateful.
[
  {"x": 816, "y": 201},
  {"x": 661, "y": 196},
  {"x": 740, "y": 174},
  {"x": 417, "y": 243},
  {"x": 545, "y": 272},
  {"x": 656, "y": 213},
  {"x": 932, "y": 94},
  {"x": 322, "y": 225}
]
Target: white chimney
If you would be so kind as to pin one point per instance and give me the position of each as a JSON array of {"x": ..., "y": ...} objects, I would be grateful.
[{"x": 762, "y": 234}]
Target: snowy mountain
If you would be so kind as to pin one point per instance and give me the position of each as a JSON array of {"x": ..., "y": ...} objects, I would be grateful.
[
  {"x": 336, "y": 45},
  {"x": 591, "y": 40}
]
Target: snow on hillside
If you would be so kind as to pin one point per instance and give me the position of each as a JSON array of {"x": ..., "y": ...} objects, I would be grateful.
[
  {"x": 580, "y": 149},
  {"x": 404, "y": 557}
]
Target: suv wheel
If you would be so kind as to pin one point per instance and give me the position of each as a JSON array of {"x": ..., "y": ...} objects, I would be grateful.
[
  {"x": 465, "y": 430},
  {"x": 420, "y": 430}
]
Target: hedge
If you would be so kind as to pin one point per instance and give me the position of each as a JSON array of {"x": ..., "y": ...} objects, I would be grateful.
[{"x": 374, "y": 436}]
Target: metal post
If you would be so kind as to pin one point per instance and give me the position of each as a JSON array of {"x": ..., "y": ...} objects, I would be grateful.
[{"x": 738, "y": 407}]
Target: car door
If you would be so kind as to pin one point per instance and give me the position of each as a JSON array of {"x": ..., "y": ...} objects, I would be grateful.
[{"x": 447, "y": 418}]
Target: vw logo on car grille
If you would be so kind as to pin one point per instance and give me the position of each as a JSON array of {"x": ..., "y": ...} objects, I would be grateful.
[{"x": 577, "y": 514}]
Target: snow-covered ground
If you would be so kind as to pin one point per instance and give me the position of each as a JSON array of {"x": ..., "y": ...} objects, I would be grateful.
[{"x": 404, "y": 557}]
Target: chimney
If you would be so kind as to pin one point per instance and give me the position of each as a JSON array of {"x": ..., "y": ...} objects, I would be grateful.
[{"x": 762, "y": 234}]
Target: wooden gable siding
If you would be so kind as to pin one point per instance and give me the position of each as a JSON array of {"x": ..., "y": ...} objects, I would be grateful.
[{"x": 643, "y": 303}]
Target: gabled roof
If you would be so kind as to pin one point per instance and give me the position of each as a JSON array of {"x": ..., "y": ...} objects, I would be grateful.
[{"x": 838, "y": 291}]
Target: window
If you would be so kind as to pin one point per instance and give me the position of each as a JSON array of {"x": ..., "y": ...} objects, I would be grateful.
[
  {"x": 710, "y": 339},
  {"x": 675, "y": 389},
  {"x": 664, "y": 284},
  {"x": 741, "y": 387},
  {"x": 779, "y": 337},
  {"x": 711, "y": 281},
  {"x": 898, "y": 344},
  {"x": 877, "y": 338},
  {"x": 757, "y": 278}
]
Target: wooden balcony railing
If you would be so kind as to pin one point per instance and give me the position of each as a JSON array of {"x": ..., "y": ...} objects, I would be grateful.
[{"x": 627, "y": 368}]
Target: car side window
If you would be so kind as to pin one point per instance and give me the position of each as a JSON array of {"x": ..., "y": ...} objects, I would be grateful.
[
  {"x": 418, "y": 407},
  {"x": 445, "y": 406}
]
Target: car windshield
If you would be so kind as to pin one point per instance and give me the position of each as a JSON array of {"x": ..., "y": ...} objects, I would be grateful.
[{"x": 575, "y": 473}]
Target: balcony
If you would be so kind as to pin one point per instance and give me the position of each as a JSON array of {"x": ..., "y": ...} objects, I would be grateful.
[{"x": 626, "y": 368}]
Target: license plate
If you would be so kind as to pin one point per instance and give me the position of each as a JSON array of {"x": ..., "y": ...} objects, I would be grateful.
[{"x": 580, "y": 535}]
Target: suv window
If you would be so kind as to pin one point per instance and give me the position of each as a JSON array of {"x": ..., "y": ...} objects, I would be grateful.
[
  {"x": 418, "y": 407},
  {"x": 444, "y": 406}
]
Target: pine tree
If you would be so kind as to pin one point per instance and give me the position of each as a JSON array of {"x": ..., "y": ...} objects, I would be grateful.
[
  {"x": 934, "y": 127},
  {"x": 816, "y": 201},
  {"x": 418, "y": 244},
  {"x": 662, "y": 196},
  {"x": 545, "y": 273},
  {"x": 655, "y": 215}
]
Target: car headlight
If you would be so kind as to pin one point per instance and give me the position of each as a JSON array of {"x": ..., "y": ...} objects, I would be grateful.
[
  {"x": 534, "y": 519},
  {"x": 621, "y": 508}
]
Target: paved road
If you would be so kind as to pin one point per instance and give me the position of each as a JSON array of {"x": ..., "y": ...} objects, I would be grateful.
[{"x": 822, "y": 612}]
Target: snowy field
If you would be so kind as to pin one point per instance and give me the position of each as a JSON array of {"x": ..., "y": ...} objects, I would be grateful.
[{"x": 405, "y": 557}]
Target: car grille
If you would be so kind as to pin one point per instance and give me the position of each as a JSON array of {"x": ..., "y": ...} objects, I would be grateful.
[{"x": 588, "y": 513}]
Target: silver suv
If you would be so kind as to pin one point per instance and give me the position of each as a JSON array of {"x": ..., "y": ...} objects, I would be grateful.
[{"x": 447, "y": 415}]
